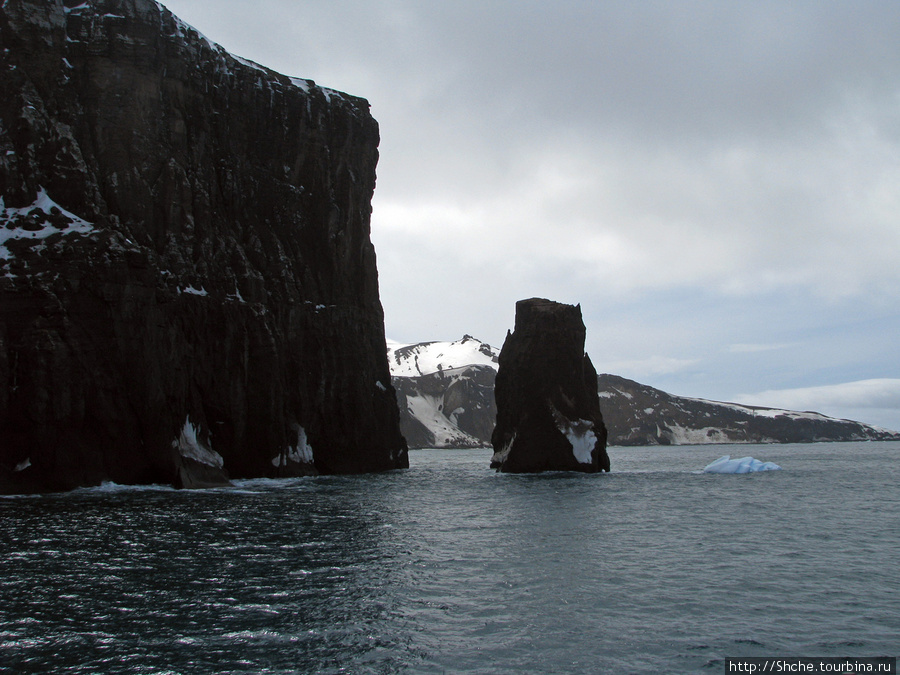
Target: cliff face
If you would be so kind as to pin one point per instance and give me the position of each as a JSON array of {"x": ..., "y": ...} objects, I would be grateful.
[
  {"x": 187, "y": 284},
  {"x": 548, "y": 411}
]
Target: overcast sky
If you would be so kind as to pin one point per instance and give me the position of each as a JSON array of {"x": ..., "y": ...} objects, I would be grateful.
[{"x": 717, "y": 183}]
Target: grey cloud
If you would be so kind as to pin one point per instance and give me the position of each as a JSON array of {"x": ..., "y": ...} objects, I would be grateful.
[{"x": 659, "y": 67}]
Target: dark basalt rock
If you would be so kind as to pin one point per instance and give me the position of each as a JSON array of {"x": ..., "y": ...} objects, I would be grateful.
[
  {"x": 548, "y": 411},
  {"x": 188, "y": 289}
]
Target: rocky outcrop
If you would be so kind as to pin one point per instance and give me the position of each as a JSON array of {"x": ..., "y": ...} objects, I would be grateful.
[
  {"x": 188, "y": 288},
  {"x": 637, "y": 414},
  {"x": 548, "y": 412}
]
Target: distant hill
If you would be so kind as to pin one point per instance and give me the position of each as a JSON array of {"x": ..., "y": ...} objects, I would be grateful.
[
  {"x": 637, "y": 414},
  {"x": 445, "y": 391}
]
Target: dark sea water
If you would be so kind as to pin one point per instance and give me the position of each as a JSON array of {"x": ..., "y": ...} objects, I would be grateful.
[{"x": 451, "y": 568}]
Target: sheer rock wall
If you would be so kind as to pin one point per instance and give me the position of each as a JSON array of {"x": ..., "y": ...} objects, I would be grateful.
[{"x": 188, "y": 289}]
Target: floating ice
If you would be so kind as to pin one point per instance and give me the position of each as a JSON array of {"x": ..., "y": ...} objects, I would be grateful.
[{"x": 743, "y": 465}]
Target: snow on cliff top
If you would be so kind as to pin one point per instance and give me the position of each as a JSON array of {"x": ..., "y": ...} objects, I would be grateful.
[
  {"x": 183, "y": 29},
  {"x": 424, "y": 358}
]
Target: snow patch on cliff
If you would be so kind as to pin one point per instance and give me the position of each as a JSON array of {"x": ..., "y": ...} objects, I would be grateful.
[
  {"x": 500, "y": 456},
  {"x": 39, "y": 220},
  {"x": 250, "y": 64},
  {"x": 302, "y": 83},
  {"x": 583, "y": 441},
  {"x": 300, "y": 453},
  {"x": 329, "y": 93},
  {"x": 188, "y": 445},
  {"x": 183, "y": 29},
  {"x": 579, "y": 433}
]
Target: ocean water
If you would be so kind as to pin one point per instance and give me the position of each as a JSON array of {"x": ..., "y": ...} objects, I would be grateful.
[{"x": 449, "y": 567}]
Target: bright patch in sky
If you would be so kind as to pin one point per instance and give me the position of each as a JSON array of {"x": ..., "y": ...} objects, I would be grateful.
[{"x": 865, "y": 398}]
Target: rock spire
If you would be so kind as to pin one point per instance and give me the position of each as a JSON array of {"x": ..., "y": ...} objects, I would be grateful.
[{"x": 548, "y": 411}]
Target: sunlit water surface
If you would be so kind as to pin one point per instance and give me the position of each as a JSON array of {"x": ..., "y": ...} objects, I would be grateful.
[{"x": 451, "y": 568}]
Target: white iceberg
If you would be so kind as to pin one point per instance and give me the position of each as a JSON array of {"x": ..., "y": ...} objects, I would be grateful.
[{"x": 743, "y": 465}]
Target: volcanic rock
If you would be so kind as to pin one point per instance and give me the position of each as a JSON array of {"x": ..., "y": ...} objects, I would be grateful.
[
  {"x": 188, "y": 289},
  {"x": 548, "y": 411}
]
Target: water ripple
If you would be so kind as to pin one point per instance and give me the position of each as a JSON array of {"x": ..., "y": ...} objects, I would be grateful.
[{"x": 449, "y": 567}]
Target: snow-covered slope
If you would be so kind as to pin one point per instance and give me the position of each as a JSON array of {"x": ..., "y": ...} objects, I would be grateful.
[
  {"x": 424, "y": 358},
  {"x": 445, "y": 391},
  {"x": 446, "y": 395}
]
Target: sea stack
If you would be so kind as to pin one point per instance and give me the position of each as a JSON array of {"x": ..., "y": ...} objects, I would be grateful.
[
  {"x": 188, "y": 289},
  {"x": 548, "y": 411}
]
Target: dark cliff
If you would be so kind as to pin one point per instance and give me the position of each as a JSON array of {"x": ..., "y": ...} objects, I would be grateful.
[
  {"x": 548, "y": 411},
  {"x": 187, "y": 284}
]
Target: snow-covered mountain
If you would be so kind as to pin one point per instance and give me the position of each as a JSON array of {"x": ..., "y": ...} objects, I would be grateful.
[
  {"x": 445, "y": 391},
  {"x": 425, "y": 358}
]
